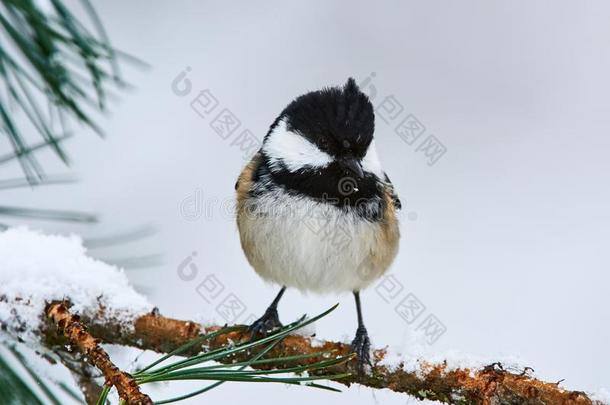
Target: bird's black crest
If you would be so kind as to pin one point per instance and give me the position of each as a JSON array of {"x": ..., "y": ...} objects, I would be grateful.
[{"x": 337, "y": 119}]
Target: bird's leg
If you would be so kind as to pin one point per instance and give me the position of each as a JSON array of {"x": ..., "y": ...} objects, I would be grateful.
[
  {"x": 270, "y": 319},
  {"x": 361, "y": 344}
]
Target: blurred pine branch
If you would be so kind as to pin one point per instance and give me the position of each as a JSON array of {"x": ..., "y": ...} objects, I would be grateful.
[
  {"x": 15, "y": 389},
  {"x": 54, "y": 73},
  {"x": 53, "y": 69}
]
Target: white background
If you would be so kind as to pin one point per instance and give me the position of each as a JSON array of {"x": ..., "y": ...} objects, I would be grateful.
[{"x": 507, "y": 237}]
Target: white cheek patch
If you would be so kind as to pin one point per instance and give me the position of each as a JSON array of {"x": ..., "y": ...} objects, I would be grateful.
[
  {"x": 293, "y": 150},
  {"x": 371, "y": 163}
]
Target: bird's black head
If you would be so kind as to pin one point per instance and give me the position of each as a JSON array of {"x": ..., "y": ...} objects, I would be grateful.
[
  {"x": 323, "y": 140},
  {"x": 338, "y": 120}
]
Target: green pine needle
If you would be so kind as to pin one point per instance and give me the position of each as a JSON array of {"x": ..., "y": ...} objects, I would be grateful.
[
  {"x": 104, "y": 395},
  {"x": 200, "y": 368}
]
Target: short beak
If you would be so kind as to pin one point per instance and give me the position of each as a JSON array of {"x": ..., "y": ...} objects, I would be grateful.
[{"x": 352, "y": 165}]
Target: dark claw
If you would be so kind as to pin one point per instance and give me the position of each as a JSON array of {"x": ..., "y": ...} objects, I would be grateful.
[
  {"x": 361, "y": 345},
  {"x": 269, "y": 322}
]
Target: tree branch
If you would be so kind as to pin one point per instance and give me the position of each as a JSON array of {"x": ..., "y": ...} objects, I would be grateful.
[
  {"x": 74, "y": 331},
  {"x": 488, "y": 386}
]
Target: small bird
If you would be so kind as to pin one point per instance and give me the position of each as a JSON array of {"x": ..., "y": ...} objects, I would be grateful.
[{"x": 315, "y": 209}]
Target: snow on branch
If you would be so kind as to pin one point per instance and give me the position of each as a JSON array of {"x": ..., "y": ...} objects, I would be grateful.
[
  {"x": 39, "y": 272},
  {"x": 36, "y": 269}
]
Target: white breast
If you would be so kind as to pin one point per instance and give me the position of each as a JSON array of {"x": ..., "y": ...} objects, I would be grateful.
[{"x": 310, "y": 245}]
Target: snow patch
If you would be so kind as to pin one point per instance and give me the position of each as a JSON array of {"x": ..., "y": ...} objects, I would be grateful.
[
  {"x": 36, "y": 268},
  {"x": 306, "y": 330},
  {"x": 416, "y": 353}
]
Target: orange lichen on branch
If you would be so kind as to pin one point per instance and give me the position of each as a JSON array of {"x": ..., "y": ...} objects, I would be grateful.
[
  {"x": 163, "y": 334},
  {"x": 488, "y": 386},
  {"x": 76, "y": 333}
]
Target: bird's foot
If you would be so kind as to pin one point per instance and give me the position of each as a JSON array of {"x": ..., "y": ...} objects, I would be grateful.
[
  {"x": 269, "y": 322},
  {"x": 361, "y": 345}
]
